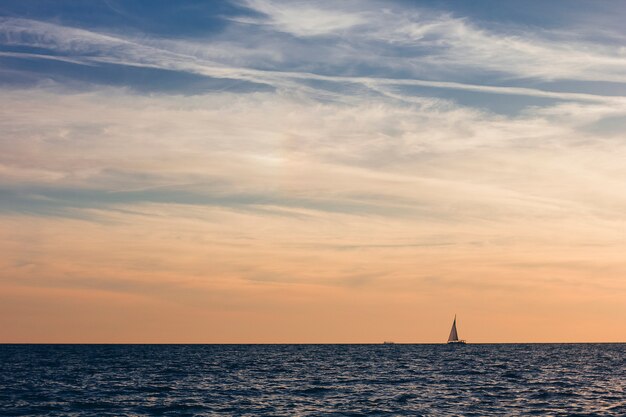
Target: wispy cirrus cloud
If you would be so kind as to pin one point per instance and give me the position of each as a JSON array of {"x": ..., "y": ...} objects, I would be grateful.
[
  {"x": 422, "y": 41},
  {"x": 418, "y": 45},
  {"x": 303, "y": 18}
]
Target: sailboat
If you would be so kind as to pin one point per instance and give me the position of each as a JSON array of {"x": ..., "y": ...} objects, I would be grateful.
[{"x": 454, "y": 336}]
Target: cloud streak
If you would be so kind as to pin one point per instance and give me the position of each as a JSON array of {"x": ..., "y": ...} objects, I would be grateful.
[{"x": 447, "y": 37}]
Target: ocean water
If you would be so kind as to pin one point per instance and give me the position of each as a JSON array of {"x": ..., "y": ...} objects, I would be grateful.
[{"x": 313, "y": 380}]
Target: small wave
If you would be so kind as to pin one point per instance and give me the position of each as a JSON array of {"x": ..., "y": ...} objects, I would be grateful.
[
  {"x": 314, "y": 391},
  {"x": 404, "y": 398}
]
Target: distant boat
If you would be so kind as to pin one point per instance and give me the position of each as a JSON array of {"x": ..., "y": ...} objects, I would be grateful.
[
  {"x": 454, "y": 336},
  {"x": 389, "y": 343}
]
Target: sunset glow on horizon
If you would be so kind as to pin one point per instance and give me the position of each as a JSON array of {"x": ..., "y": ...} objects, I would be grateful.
[{"x": 260, "y": 171}]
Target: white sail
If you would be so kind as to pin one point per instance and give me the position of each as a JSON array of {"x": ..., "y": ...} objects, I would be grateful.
[{"x": 454, "y": 337}]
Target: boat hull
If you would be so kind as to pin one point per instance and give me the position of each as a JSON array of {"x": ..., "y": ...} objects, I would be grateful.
[{"x": 456, "y": 342}]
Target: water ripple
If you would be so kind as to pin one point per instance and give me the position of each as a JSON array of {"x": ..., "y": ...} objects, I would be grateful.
[{"x": 312, "y": 380}]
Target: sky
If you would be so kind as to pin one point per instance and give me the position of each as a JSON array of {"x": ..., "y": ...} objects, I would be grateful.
[{"x": 260, "y": 171}]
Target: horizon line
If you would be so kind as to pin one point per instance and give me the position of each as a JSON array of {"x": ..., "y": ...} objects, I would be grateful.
[{"x": 303, "y": 343}]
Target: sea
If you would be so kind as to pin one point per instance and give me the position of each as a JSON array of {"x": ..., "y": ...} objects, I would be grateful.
[{"x": 313, "y": 380}]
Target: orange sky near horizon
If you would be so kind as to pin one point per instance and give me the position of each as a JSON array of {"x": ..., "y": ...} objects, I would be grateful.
[{"x": 223, "y": 277}]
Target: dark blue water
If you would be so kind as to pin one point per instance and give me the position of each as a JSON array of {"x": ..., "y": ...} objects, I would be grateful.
[{"x": 312, "y": 380}]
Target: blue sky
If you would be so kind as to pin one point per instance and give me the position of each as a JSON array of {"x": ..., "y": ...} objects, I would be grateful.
[
  {"x": 352, "y": 143},
  {"x": 516, "y": 44}
]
